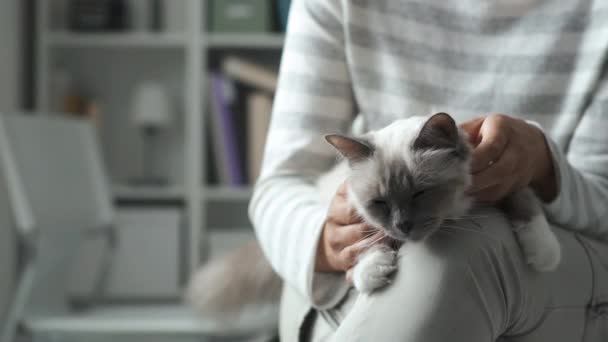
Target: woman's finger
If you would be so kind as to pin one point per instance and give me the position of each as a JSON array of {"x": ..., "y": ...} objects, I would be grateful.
[
  {"x": 341, "y": 191},
  {"x": 472, "y": 128},
  {"x": 341, "y": 212},
  {"x": 348, "y": 235},
  {"x": 349, "y": 254},
  {"x": 349, "y": 276},
  {"x": 499, "y": 172},
  {"x": 492, "y": 145}
]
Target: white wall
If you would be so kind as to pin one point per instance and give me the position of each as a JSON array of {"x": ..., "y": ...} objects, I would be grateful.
[
  {"x": 10, "y": 87},
  {"x": 10, "y": 42}
]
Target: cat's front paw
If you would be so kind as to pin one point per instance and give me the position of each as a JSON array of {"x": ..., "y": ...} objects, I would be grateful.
[
  {"x": 374, "y": 268},
  {"x": 540, "y": 245}
]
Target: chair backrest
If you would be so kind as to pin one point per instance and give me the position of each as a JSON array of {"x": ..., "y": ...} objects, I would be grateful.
[
  {"x": 8, "y": 250},
  {"x": 58, "y": 190}
]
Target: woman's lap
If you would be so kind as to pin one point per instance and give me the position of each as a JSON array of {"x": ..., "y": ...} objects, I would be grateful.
[{"x": 468, "y": 282}]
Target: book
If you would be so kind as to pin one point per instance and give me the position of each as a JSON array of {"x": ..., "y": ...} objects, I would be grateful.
[
  {"x": 218, "y": 172},
  {"x": 259, "y": 109},
  {"x": 230, "y": 169},
  {"x": 250, "y": 73}
]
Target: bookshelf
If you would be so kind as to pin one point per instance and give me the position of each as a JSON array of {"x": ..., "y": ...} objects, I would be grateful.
[
  {"x": 135, "y": 193},
  {"x": 108, "y": 65},
  {"x": 116, "y": 40},
  {"x": 263, "y": 41},
  {"x": 227, "y": 193}
]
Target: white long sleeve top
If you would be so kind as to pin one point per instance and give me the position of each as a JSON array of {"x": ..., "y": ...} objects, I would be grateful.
[{"x": 545, "y": 61}]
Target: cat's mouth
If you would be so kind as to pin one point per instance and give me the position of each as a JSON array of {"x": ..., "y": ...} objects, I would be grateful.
[
  {"x": 398, "y": 235},
  {"x": 419, "y": 235},
  {"x": 415, "y": 234},
  {"x": 411, "y": 236}
]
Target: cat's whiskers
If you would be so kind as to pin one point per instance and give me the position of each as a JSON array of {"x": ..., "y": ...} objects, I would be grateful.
[
  {"x": 466, "y": 217},
  {"x": 459, "y": 228},
  {"x": 427, "y": 223},
  {"x": 369, "y": 230},
  {"x": 375, "y": 241},
  {"x": 367, "y": 236}
]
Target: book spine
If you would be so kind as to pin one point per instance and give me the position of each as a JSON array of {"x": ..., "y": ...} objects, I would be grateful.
[
  {"x": 215, "y": 134},
  {"x": 259, "y": 108},
  {"x": 228, "y": 131},
  {"x": 250, "y": 73}
]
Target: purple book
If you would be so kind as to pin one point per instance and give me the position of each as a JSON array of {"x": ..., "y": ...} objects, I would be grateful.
[{"x": 220, "y": 98}]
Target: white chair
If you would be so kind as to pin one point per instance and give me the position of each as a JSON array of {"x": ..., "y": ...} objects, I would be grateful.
[{"x": 59, "y": 193}]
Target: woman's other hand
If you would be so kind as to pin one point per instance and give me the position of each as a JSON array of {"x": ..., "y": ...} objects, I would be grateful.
[
  {"x": 344, "y": 236},
  {"x": 509, "y": 154}
]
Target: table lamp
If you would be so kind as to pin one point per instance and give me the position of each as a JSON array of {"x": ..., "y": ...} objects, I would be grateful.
[{"x": 150, "y": 112}]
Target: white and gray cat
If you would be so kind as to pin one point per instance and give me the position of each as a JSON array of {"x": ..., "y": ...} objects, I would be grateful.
[{"x": 405, "y": 180}]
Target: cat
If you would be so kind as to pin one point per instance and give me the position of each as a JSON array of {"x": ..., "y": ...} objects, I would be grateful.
[
  {"x": 408, "y": 177},
  {"x": 404, "y": 180}
]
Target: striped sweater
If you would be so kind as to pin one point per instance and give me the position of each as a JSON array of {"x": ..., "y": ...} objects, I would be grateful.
[{"x": 545, "y": 61}]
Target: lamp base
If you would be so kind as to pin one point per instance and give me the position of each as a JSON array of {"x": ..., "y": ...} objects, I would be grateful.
[{"x": 150, "y": 135}]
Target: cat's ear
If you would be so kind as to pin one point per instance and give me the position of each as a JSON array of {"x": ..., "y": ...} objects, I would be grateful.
[
  {"x": 353, "y": 149},
  {"x": 440, "y": 131}
]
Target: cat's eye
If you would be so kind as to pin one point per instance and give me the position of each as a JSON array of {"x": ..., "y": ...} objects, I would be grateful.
[
  {"x": 380, "y": 203},
  {"x": 418, "y": 193}
]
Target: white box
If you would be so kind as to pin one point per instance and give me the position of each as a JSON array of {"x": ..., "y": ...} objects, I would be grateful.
[{"x": 147, "y": 263}]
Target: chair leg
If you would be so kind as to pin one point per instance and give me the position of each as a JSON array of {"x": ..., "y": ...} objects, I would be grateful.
[{"x": 15, "y": 313}]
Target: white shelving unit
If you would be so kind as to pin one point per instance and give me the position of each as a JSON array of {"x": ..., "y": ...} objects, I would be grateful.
[
  {"x": 162, "y": 40},
  {"x": 226, "y": 193},
  {"x": 135, "y": 193},
  {"x": 269, "y": 41},
  {"x": 182, "y": 59},
  {"x": 117, "y": 40}
]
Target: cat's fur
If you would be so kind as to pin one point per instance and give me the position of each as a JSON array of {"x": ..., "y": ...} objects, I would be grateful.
[
  {"x": 410, "y": 176},
  {"x": 237, "y": 291},
  {"x": 403, "y": 180}
]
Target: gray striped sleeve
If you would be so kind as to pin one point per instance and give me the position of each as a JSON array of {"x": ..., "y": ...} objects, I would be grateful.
[
  {"x": 583, "y": 174},
  {"x": 311, "y": 100}
]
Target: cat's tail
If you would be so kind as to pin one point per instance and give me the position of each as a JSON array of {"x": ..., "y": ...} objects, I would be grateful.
[{"x": 237, "y": 291}]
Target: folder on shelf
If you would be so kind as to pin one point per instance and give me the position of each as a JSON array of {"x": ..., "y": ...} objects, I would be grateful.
[
  {"x": 229, "y": 166},
  {"x": 259, "y": 108},
  {"x": 250, "y": 73}
]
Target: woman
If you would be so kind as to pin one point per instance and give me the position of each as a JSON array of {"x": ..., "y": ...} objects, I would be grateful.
[{"x": 543, "y": 61}]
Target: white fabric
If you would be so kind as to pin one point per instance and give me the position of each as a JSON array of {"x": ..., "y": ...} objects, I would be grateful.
[{"x": 541, "y": 61}]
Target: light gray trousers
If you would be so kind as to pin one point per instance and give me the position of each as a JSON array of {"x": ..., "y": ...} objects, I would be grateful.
[{"x": 469, "y": 283}]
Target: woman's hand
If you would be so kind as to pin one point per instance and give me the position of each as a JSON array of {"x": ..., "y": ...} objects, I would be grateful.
[
  {"x": 509, "y": 154},
  {"x": 344, "y": 236}
]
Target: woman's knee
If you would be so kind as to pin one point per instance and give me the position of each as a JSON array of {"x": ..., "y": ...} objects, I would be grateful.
[
  {"x": 454, "y": 279},
  {"x": 474, "y": 244},
  {"x": 478, "y": 260}
]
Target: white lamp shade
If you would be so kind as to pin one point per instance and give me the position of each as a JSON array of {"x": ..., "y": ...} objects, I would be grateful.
[{"x": 151, "y": 106}]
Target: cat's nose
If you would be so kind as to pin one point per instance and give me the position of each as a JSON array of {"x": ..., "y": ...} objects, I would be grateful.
[{"x": 405, "y": 226}]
